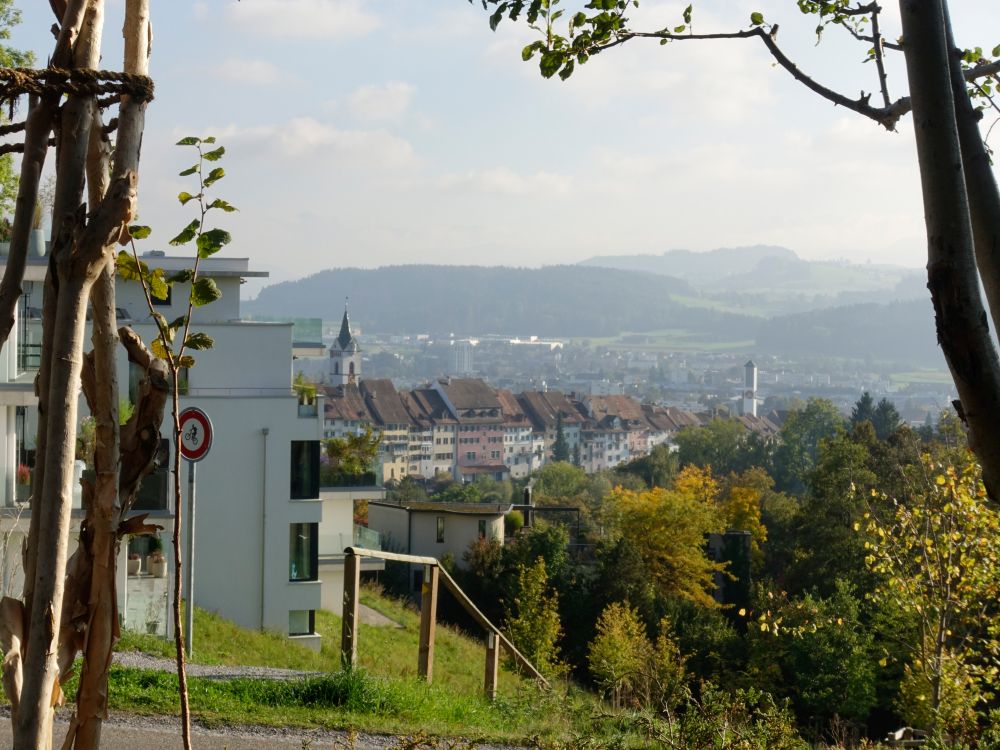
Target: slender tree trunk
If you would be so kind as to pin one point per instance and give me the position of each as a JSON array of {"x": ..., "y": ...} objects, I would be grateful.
[
  {"x": 41, "y": 691},
  {"x": 980, "y": 182},
  {"x": 962, "y": 327}
]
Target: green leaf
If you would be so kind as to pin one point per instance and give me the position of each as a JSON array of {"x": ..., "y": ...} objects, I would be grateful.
[
  {"x": 687, "y": 14},
  {"x": 158, "y": 288},
  {"x": 160, "y": 350},
  {"x": 212, "y": 241},
  {"x": 756, "y": 18},
  {"x": 204, "y": 291},
  {"x": 186, "y": 361},
  {"x": 177, "y": 322},
  {"x": 214, "y": 155},
  {"x": 567, "y": 71},
  {"x": 189, "y": 170},
  {"x": 139, "y": 232},
  {"x": 679, "y": 29},
  {"x": 219, "y": 203},
  {"x": 127, "y": 268},
  {"x": 187, "y": 234},
  {"x": 189, "y": 141},
  {"x": 210, "y": 139},
  {"x": 214, "y": 176},
  {"x": 185, "y": 196},
  {"x": 181, "y": 276},
  {"x": 199, "y": 341},
  {"x": 551, "y": 62},
  {"x": 996, "y": 51}
]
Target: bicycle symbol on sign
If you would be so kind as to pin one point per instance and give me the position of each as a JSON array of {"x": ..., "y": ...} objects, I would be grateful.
[{"x": 191, "y": 436}]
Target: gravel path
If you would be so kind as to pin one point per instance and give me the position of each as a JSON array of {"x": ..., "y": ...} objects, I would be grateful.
[{"x": 144, "y": 661}]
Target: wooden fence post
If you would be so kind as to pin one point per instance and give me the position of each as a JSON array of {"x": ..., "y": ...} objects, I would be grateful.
[
  {"x": 428, "y": 622},
  {"x": 492, "y": 665},
  {"x": 349, "y": 633}
]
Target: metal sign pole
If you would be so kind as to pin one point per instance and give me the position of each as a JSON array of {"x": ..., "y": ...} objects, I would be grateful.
[{"x": 189, "y": 607}]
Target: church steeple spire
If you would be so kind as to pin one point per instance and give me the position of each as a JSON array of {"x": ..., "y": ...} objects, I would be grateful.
[
  {"x": 345, "y": 354},
  {"x": 345, "y": 340}
]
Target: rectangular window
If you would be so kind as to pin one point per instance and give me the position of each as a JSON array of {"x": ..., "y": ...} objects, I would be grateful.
[
  {"x": 303, "y": 551},
  {"x": 305, "y": 470},
  {"x": 482, "y": 528},
  {"x": 440, "y": 529},
  {"x": 154, "y": 489},
  {"x": 470, "y": 456},
  {"x": 302, "y": 622}
]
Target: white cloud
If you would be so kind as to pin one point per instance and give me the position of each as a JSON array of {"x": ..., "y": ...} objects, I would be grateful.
[
  {"x": 304, "y": 19},
  {"x": 257, "y": 72},
  {"x": 504, "y": 181},
  {"x": 385, "y": 103},
  {"x": 308, "y": 137}
]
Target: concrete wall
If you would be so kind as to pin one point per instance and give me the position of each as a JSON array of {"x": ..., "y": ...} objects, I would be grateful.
[{"x": 460, "y": 530}]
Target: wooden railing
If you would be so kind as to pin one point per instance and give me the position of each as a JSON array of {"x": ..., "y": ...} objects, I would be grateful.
[{"x": 433, "y": 574}]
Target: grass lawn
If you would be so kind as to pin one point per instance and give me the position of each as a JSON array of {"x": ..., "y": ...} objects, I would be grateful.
[
  {"x": 670, "y": 339},
  {"x": 922, "y": 377},
  {"x": 384, "y": 695}
]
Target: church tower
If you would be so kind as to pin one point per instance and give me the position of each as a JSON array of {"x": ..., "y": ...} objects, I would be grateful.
[
  {"x": 345, "y": 355},
  {"x": 750, "y": 389}
]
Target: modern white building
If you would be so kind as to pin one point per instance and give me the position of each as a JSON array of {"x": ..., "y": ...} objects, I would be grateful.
[{"x": 258, "y": 501}]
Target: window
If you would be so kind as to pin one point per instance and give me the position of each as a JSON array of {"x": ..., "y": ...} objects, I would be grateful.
[
  {"x": 440, "y": 529},
  {"x": 305, "y": 470},
  {"x": 301, "y": 622},
  {"x": 303, "y": 551},
  {"x": 162, "y": 302},
  {"x": 470, "y": 456},
  {"x": 154, "y": 490},
  {"x": 482, "y": 528}
]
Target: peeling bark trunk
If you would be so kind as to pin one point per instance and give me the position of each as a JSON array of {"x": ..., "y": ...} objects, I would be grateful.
[{"x": 962, "y": 327}]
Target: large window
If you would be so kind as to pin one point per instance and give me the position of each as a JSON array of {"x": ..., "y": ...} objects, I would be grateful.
[
  {"x": 305, "y": 470},
  {"x": 303, "y": 551},
  {"x": 440, "y": 529},
  {"x": 301, "y": 622}
]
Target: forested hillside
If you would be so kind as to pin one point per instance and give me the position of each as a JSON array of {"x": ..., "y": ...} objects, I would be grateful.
[{"x": 549, "y": 301}]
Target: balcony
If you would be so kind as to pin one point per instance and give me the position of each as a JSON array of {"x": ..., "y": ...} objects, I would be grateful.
[{"x": 334, "y": 479}]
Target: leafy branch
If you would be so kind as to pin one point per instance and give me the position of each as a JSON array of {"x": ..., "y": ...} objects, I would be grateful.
[{"x": 156, "y": 283}]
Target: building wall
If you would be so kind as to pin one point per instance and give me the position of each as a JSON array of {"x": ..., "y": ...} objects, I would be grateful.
[
  {"x": 392, "y": 524},
  {"x": 460, "y": 530}
]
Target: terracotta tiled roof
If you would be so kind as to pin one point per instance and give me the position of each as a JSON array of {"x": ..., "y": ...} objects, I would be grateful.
[
  {"x": 626, "y": 409},
  {"x": 345, "y": 402},
  {"x": 545, "y": 407},
  {"x": 383, "y": 402}
]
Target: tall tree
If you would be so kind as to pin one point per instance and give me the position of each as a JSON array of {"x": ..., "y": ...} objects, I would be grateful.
[
  {"x": 69, "y": 607},
  {"x": 960, "y": 193},
  {"x": 560, "y": 447},
  {"x": 885, "y": 419},
  {"x": 864, "y": 409}
]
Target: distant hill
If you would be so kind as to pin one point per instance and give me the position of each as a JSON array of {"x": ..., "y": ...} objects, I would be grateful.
[
  {"x": 902, "y": 331},
  {"x": 697, "y": 267},
  {"x": 550, "y": 301},
  {"x": 788, "y": 282}
]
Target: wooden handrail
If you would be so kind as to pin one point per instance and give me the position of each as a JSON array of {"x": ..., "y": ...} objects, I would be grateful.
[{"x": 459, "y": 595}]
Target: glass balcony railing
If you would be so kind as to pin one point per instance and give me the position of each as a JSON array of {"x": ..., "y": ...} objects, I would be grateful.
[
  {"x": 331, "y": 478},
  {"x": 367, "y": 538}
]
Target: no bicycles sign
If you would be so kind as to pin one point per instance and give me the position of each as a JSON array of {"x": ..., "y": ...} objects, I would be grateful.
[{"x": 196, "y": 434}]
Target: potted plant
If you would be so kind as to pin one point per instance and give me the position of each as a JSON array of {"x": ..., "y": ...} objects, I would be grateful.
[
  {"x": 134, "y": 563},
  {"x": 154, "y": 611},
  {"x": 23, "y": 489},
  {"x": 156, "y": 563},
  {"x": 43, "y": 205}
]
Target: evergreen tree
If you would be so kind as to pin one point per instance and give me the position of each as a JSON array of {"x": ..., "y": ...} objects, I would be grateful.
[
  {"x": 886, "y": 419},
  {"x": 864, "y": 409},
  {"x": 560, "y": 448}
]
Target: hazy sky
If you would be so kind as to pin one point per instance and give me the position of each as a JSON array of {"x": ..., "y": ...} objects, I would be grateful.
[{"x": 374, "y": 132}]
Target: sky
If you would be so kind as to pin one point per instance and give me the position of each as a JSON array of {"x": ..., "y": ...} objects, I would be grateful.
[{"x": 365, "y": 133}]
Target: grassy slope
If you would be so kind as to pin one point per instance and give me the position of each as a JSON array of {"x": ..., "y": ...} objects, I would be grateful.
[{"x": 387, "y": 698}]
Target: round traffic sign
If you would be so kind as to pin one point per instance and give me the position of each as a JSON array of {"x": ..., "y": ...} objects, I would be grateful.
[{"x": 196, "y": 434}]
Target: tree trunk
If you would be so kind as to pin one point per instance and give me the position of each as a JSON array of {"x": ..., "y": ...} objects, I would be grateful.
[
  {"x": 962, "y": 327},
  {"x": 98, "y": 550}
]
